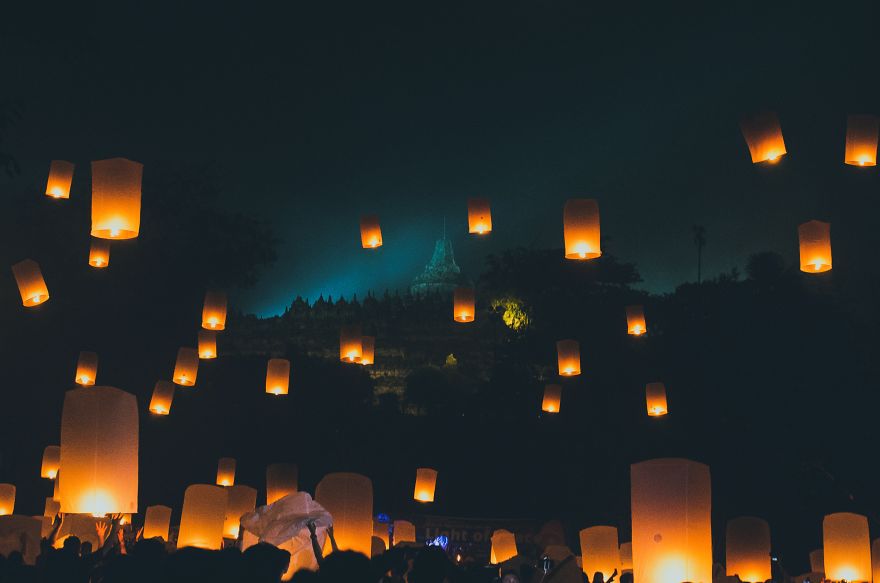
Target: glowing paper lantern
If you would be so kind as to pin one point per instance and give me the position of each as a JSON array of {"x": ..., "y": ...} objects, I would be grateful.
[
  {"x": 861, "y": 140},
  {"x": 51, "y": 462},
  {"x": 748, "y": 549},
  {"x": 371, "y": 233},
  {"x": 463, "y": 304},
  {"x": 600, "y": 551},
  {"x": 479, "y": 216},
  {"x": 116, "y": 198},
  {"x": 207, "y": 344},
  {"x": 815, "y": 246},
  {"x": 404, "y": 532},
  {"x": 242, "y": 499},
  {"x": 156, "y": 522},
  {"x": 635, "y": 321},
  {"x": 351, "y": 348},
  {"x": 99, "y": 451},
  {"x": 214, "y": 311},
  {"x": 163, "y": 394},
  {"x": 7, "y": 499},
  {"x": 581, "y": 229},
  {"x": 349, "y": 499},
  {"x": 60, "y": 178},
  {"x": 552, "y": 399},
  {"x": 86, "y": 368},
  {"x": 626, "y": 558},
  {"x": 281, "y": 480},
  {"x": 503, "y": 546},
  {"x": 671, "y": 521},
  {"x": 277, "y": 376},
  {"x": 817, "y": 561},
  {"x": 203, "y": 517},
  {"x": 226, "y": 471},
  {"x": 51, "y": 508},
  {"x": 187, "y": 367},
  {"x": 568, "y": 354},
  {"x": 763, "y": 136},
  {"x": 368, "y": 350},
  {"x": 99, "y": 253},
  {"x": 847, "y": 547},
  {"x": 426, "y": 481},
  {"x": 655, "y": 397},
  {"x": 380, "y": 531},
  {"x": 30, "y": 282},
  {"x": 875, "y": 559}
]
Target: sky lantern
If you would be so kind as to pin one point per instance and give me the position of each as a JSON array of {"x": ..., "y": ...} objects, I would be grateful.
[
  {"x": 635, "y": 321},
  {"x": 348, "y": 498},
  {"x": 817, "y": 561},
  {"x": 214, "y": 310},
  {"x": 671, "y": 521},
  {"x": 463, "y": 304},
  {"x": 351, "y": 347},
  {"x": 371, "y": 233},
  {"x": 203, "y": 517},
  {"x": 157, "y": 519},
  {"x": 875, "y": 559},
  {"x": 655, "y": 397},
  {"x": 479, "y": 216},
  {"x": 51, "y": 462},
  {"x": 600, "y": 551},
  {"x": 748, "y": 549},
  {"x": 31, "y": 284},
  {"x": 568, "y": 354},
  {"x": 60, "y": 178},
  {"x": 581, "y": 229},
  {"x": 51, "y": 508},
  {"x": 426, "y": 481},
  {"x": 7, "y": 499},
  {"x": 226, "y": 471},
  {"x": 99, "y": 451},
  {"x": 404, "y": 532},
  {"x": 847, "y": 547},
  {"x": 281, "y": 479},
  {"x": 861, "y": 140},
  {"x": 242, "y": 499},
  {"x": 207, "y": 344},
  {"x": 815, "y": 246},
  {"x": 552, "y": 399},
  {"x": 503, "y": 545},
  {"x": 380, "y": 531},
  {"x": 277, "y": 376},
  {"x": 116, "y": 198},
  {"x": 99, "y": 253},
  {"x": 86, "y": 368},
  {"x": 163, "y": 394},
  {"x": 187, "y": 367},
  {"x": 368, "y": 350},
  {"x": 626, "y": 557},
  {"x": 763, "y": 136}
]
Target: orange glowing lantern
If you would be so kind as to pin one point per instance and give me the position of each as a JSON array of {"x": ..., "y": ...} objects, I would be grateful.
[
  {"x": 581, "y": 229},
  {"x": 99, "y": 452},
  {"x": 404, "y": 532},
  {"x": 847, "y": 547},
  {"x": 426, "y": 481},
  {"x": 51, "y": 462},
  {"x": 635, "y": 321},
  {"x": 99, "y": 253},
  {"x": 60, "y": 178},
  {"x": 815, "y": 246},
  {"x": 463, "y": 304},
  {"x": 156, "y": 522},
  {"x": 671, "y": 521},
  {"x": 626, "y": 558},
  {"x": 277, "y": 376},
  {"x": 655, "y": 397},
  {"x": 368, "y": 350},
  {"x": 380, "y": 531},
  {"x": 86, "y": 368},
  {"x": 51, "y": 508},
  {"x": 207, "y": 344},
  {"x": 748, "y": 549},
  {"x": 226, "y": 471},
  {"x": 479, "y": 216},
  {"x": 116, "y": 198},
  {"x": 600, "y": 551},
  {"x": 875, "y": 559},
  {"x": 817, "y": 561},
  {"x": 281, "y": 479},
  {"x": 861, "y": 140},
  {"x": 163, "y": 394},
  {"x": 7, "y": 499},
  {"x": 503, "y": 546},
  {"x": 351, "y": 344},
  {"x": 187, "y": 367},
  {"x": 30, "y": 282},
  {"x": 203, "y": 517},
  {"x": 763, "y": 136},
  {"x": 371, "y": 233},
  {"x": 242, "y": 499},
  {"x": 552, "y": 399},
  {"x": 214, "y": 311},
  {"x": 349, "y": 500},
  {"x": 568, "y": 354}
]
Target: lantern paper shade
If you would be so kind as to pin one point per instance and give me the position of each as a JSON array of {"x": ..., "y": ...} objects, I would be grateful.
[
  {"x": 875, "y": 559},
  {"x": 187, "y": 367},
  {"x": 242, "y": 499},
  {"x": 277, "y": 376},
  {"x": 51, "y": 462},
  {"x": 371, "y": 234},
  {"x": 60, "y": 178},
  {"x": 368, "y": 350},
  {"x": 479, "y": 216},
  {"x": 214, "y": 310},
  {"x": 861, "y": 140},
  {"x": 626, "y": 558},
  {"x": 51, "y": 508},
  {"x": 348, "y": 498},
  {"x": 30, "y": 283},
  {"x": 116, "y": 198},
  {"x": 404, "y": 532},
  {"x": 426, "y": 481},
  {"x": 7, "y": 499},
  {"x": 503, "y": 546},
  {"x": 814, "y": 238},
  {"x": 380, "y": 531},
  {"x": 847, "y": 547},
  {"x": 99, "y": 451},
  {"x": 203, "y": 517},
  {"x": 156, "y": 522},
  {"x": 581, "y": 229},
  {"x": 748, "y": 549},
  {"x": 463, "y": 304},
  {"x": 600, "y": 551},
  {"x": 207, "y": 344},
  {"x": 552, "y": 399},
  {"x": 568, "y": 354},
  {"x": 817, "y": 561},
  {"x": 351, "y": 347},
  {"x": 281, "y": 479},
  {"x": 163, "y": 394},
  {"x": 671, "y": 521},
  {"x": 635, "y": 321},
  {"x": 99, "y": 253},
  {"x": 226, "y": 471},
  {"x": 86, "y": 368},
  {"x": 763, "y": 136},
  {"x": 655, "y": 397}
]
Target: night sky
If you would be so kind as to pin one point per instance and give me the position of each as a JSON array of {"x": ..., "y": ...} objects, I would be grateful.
[{"x": 324, "y": 111}]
